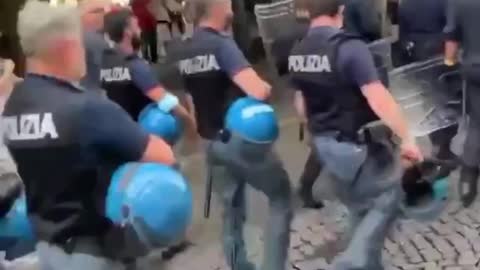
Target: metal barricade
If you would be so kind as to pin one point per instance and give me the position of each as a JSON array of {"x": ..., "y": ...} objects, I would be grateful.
[
  {"x": 273, "y": 20},
  {"x": 430, "y": 95}
]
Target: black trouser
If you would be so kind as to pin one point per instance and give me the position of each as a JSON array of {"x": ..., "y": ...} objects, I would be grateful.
[
  {"x": 471, "y": 152},
  {"x": 149, "y": 39},
  {"x": 441, "y": 140},
  {"x": 420, "y": 47},
  {"x": 310, "y": 173}
]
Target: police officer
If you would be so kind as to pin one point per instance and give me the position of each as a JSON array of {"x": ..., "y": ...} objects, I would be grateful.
[
  {"x": 462, "y": 21},
  {"x": 92, "y": 13},
  {"x": 215, "y": 73},
  {"x": 62, "y": 140},
  {"x": 127, "y": 78},
  {"x": 338, "y": 85},
  {"x": 280, "y": 49},
  {"x": 421, "y": 26}
]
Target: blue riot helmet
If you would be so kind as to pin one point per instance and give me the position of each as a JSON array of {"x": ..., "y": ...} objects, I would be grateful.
[
  {"x": 16, "y": 224},
  {"x": 426, "y": 187},
  {"x": 157, "y": 122},
  {"x": 253, "y": 120},
  {"x": 154, "y": 199}
]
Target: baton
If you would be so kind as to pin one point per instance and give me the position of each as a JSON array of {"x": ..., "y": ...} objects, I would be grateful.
[
  {"x": 208, "y": 192},
  {"x": 233, "y": 257},
  {"x": 301, "y": 131}
]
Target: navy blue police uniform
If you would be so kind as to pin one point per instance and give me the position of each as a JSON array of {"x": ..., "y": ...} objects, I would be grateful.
[
  {"x": 95, "y": 46},
  {"x": 329, "y": 67},
  {"x": 421, "y": 26},
  {"x": 127, "y": 79},
  {"x": 65, "y": 145},
  {"x": 207, "y": 63},
  {"x": 462, "y": 23}
]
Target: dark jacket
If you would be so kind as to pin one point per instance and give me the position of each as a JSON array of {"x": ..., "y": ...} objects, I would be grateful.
[{"x": 361, "y": 18}]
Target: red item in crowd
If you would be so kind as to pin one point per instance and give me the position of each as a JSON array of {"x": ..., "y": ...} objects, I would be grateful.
[{"x": 146, "y": 20}]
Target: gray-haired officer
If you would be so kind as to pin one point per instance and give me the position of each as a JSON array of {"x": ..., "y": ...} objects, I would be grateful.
[
  {"x": 72, "y": 138},
  {"x": 336, "y": 81},
  {"x": 216, "y": 73},
  {"x": 461, "y": 30}
]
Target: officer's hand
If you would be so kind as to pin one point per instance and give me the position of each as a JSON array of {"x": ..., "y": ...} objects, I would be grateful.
[
  {"x": 8, "y": 65},
  {"x": 410, "y": 153},
  {"x": 7, "y": 77}
]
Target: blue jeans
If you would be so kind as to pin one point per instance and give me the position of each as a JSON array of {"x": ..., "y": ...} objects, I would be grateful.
[
  {"x": 234, "y": 165},
  {"x": 367, "y": 180},
  {"x": 53, "y": 257}
]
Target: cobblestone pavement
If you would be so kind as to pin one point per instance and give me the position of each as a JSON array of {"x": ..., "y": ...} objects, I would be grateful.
[{"x": 452, "y": 242}]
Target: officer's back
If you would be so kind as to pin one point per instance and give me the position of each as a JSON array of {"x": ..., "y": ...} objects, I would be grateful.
[
  {"x": 117, "y": 79},
  {"x": 206, "y": 80},
  {"x": 333, "y": 101},
  {"x": 46, "y": 139},
  {"x": 63, "y": 139},
  {"x": 338, "y": 88}
]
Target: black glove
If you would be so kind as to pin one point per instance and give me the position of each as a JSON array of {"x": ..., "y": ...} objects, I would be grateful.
[
  {"x": 468, "y": 185},
  {"x": 11, "y": 188},
  {"x": 450, "y": 68}
]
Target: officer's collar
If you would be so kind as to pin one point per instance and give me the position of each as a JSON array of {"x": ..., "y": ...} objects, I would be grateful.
[
  {"x": 210, "y": 30},
  {"x": 313, "y": 29},
  {"x": 72, "y": 85}
]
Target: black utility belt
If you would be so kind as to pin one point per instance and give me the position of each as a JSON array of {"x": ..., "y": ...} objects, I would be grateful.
[
  {"x": 371, "y": 133},
  {"x": 377, "y": 132}
]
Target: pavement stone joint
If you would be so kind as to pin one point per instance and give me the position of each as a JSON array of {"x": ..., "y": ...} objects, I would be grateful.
[{"x": 451, "y": 243}]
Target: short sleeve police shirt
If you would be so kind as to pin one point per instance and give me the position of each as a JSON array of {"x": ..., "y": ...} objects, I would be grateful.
[
  {"x": 112, "y": 131},
  {"x": 354, "y": 59},
  {"x": 142, "y": 74},
  {"x": 99, "y": 124},
  {"x": 230, "y": 58}
]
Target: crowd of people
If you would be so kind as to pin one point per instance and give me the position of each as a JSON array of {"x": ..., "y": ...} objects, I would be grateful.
[{"x": 72, "y": 120}]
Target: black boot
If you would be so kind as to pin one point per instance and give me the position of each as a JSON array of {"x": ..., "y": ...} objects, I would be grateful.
[
  {"x": 447, "y": 155},
  {"x": 468, "y": 185},
  {"x": 310, "y": 173},
  {"x": 174, "y": 250},
  {"x": 442, "y": 140}
]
